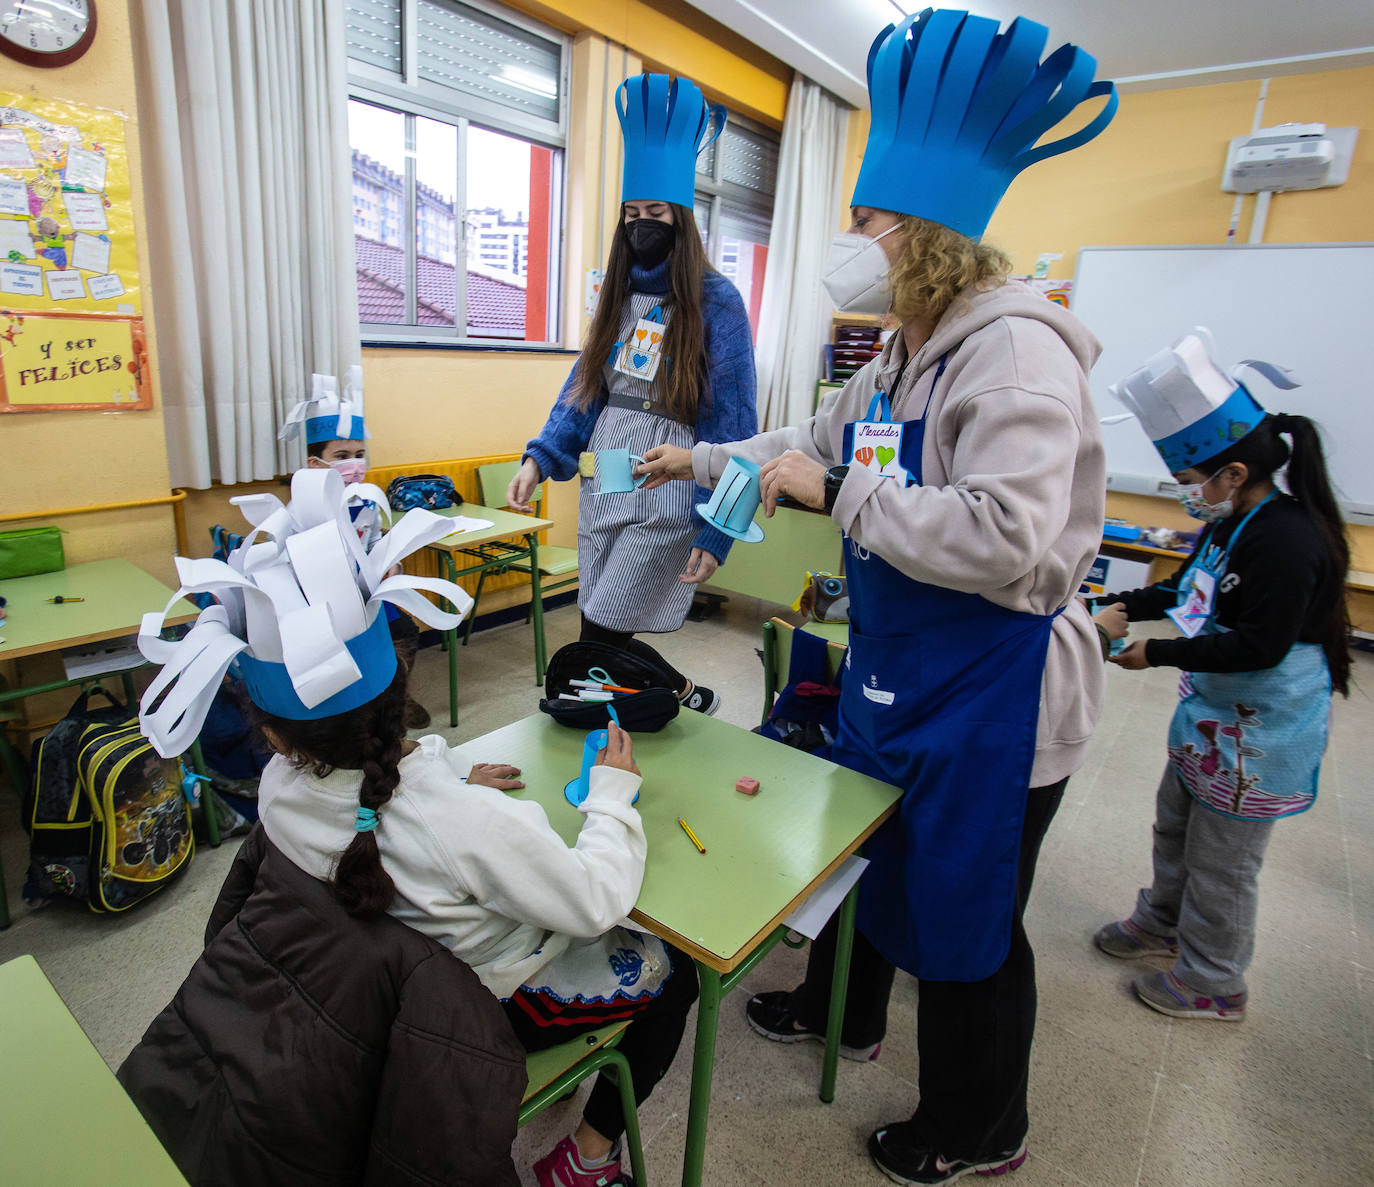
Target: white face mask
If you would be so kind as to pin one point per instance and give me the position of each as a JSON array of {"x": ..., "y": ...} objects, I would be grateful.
[
  {"x": 855, "y": 275},
  {"x": 1196, "y": 504},
  {"x": 351, "y": 469}
]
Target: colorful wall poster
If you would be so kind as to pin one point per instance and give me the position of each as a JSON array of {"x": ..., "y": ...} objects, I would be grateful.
[{"x": 72, "y": 361}]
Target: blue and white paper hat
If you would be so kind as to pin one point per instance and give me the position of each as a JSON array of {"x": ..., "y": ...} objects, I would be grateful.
[
  {"x": 327, "y": 416},
  {"x": 298, "y": 615},
  {"x": 734, "y": 501},
  {"x": 666, "y": 122},
  {"x": 957, "y": 108},
  {"x": 1189, "y": 406}
]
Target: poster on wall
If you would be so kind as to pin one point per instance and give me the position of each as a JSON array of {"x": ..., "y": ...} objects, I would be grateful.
[
  {"x": 52, "y": 362},
  {"x": 66, "y": 219}
]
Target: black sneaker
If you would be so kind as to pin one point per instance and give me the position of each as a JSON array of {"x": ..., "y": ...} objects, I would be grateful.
[
  {"x": 770, "y": 1014},
  {"x": 895, "y": 1152},
  {"x": 703, "y": 700}
]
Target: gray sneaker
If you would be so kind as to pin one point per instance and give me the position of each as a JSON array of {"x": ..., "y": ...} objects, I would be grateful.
[
  {"x": 1167, "y": 994},
  {"x": 1127, "y": 942}
]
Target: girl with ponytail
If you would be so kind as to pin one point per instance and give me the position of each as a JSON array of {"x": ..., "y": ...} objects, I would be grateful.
[{"x": 1265, "y": 640}]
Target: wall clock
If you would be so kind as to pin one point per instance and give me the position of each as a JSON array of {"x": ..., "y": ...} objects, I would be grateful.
[{"x": 46, "y": 32}]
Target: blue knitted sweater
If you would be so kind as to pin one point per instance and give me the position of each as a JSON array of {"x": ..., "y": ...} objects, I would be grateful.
[{"x": 727, "y": 412}]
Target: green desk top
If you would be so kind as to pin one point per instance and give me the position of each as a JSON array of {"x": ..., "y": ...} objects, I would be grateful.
[
  {"x": 763, "y": 853},
  {"x": 504, "y": 525},
  {"x": 118, "y": 593},
  {"x": 63, "y": 1115}
]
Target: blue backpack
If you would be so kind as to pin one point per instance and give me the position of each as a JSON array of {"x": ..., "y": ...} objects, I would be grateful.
[{"x": 433, "y": 491}]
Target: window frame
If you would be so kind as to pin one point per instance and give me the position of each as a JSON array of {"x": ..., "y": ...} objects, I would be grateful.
[
  {"x": 714, "y": 192},
  {"x": 412, "y": 97}
]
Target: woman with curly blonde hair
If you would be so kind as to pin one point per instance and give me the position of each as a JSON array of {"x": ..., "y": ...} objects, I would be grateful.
[{"x": 966, "y": 470}]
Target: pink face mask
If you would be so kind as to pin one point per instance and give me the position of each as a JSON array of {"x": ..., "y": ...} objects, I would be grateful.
[{"x": 351, "y": 469}]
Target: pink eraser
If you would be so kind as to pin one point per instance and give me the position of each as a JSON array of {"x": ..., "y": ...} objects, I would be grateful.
[{"x": 747, "y": 786}]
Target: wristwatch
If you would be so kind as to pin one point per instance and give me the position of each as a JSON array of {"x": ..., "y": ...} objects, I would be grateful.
[{"x": 834, "y": 479}]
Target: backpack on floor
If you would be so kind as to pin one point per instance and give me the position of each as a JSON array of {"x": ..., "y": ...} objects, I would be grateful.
[
  {"x": 432, "y": 491},
  {"x": 109, "y": 824}
]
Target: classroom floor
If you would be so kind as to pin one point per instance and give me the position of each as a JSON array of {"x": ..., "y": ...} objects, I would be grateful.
[{"x": 1120, "y": 1096}]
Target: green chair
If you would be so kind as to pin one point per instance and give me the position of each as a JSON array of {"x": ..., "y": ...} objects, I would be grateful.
[
  {"x": 557, "y": 565},
  {"x": 777, "y": 653},
  {"x": 555, "y": 1072}
]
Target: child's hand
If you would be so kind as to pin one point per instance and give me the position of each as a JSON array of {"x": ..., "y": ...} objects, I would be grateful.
[
  {"x": 619, "y": 751},
  {"x": 522, "y": 486},
  {"x": 1113, "y": 620},
  {"x": 499, "y": 775},
  {"x": 1132, "y": 659}
]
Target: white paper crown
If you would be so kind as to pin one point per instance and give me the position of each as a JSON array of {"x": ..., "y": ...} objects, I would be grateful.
[
  {"x": 326, "y": 416},
  {"x": 298, "y": 612}
]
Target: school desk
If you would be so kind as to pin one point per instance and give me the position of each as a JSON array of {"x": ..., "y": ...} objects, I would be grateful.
[
  {"x": 764, "y": 853},
  {"x": 65, "y": 1118},
  {"x": 488, "y": 551},
  {"x": 116, "y": 594}
]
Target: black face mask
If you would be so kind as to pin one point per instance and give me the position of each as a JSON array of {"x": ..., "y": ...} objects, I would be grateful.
[{"x": 650, "y": 240}]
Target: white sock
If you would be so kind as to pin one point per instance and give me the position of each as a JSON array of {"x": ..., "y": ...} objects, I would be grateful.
[{"x": 612, "y": 1155}]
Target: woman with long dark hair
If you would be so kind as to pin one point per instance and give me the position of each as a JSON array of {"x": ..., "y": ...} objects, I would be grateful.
[
  {"x": 669, "y": 359},
  {"x": 1261, "y": 605}
]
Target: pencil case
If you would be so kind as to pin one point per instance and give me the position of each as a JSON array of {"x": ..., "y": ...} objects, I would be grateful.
[
  {"x": 652, "y": 706},
  {"x": 26, "y": 551}
]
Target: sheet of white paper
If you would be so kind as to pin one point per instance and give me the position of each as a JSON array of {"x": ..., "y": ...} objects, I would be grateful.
[
  {"x": 65, "y": 285},
  {"x": 86, "y": 169},
  {"x": 104, "y": 287},
  {"x": 14, "y": 236},
  {"x": 815, "y": 913},
  {"x": 14, "y": 197},
  {"x": 86, "y": 212},
  {"x": 461, "y": 524},
  {"x": 115, "y": 656},
  {"x": 14, "y": 150},
  {"x": 23, "y": 280},
  {"x": 91, "y": 254}
]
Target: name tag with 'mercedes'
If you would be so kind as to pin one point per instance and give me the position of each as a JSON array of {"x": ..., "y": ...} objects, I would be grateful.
[{"x": 878, "y": 447}]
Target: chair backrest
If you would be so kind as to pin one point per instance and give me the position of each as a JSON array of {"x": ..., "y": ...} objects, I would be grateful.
[
  {"x": 493, "y": 479},
  {"x": 545, "y": 1067}
]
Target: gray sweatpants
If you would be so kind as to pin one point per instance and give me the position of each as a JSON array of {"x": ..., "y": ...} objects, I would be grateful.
[{"x": 1206, "y": 888}]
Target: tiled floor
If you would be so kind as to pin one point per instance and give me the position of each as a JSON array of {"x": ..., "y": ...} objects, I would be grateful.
[{"x": 1120, "y": 1097}]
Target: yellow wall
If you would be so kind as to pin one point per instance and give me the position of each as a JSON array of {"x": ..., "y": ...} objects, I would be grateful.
[{"x": 65, "y": 459}]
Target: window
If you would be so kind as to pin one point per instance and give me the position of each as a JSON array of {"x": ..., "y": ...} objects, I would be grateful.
[
  {"x": 736, "y": 178},
  {"x": 457, "y": 121}
]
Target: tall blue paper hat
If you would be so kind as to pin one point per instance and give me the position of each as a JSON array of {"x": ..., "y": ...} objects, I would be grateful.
[
  {"x": 957, "y": 108},
  {"x": 666, "y": 122},
  {"x": 1191, "y": 408},
  {"x": 326, "y": 416}
]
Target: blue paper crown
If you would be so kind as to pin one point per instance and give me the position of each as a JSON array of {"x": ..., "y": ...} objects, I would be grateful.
[
  {"x": 957, "y": 108},
  {"x": 665, "y": 122},
  {"x": 270, "y": 688},
  {"x": 326, "y": 428},
  {"x": 1235, "y": 417}
]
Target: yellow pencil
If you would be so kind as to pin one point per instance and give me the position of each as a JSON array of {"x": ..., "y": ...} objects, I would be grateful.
[{"x": 687, "y": 828}]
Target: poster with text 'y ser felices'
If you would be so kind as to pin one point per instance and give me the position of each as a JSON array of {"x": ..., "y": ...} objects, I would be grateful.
[{"x": 67, "y": 252}]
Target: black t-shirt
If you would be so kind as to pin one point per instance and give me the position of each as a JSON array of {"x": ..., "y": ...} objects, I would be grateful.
[{"x": 1279, "y": 588}]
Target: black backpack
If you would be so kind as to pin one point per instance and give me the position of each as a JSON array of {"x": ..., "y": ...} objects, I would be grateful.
[
  {"x": 108, "y": 822},
  {"x": 644, "y": 712},
  {"x": 432, "y": 491}
]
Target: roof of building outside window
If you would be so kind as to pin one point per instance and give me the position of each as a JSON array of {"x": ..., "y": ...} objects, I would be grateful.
[{"x": 496, "y": 303}]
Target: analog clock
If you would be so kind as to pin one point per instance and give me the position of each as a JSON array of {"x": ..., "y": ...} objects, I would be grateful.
[{"x": 46, "y": 32}]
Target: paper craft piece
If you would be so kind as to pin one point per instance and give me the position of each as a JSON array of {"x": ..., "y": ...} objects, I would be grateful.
[
  {"x": 85, "y": 212},
  {"x": 815, "y": 913},
  {"x": 14, "y": 237},
  {"x": 102, "y": 288},
  {"x": 14, "y": 197},
  {"x": 85, "y": 169},
  {"x": 14, "y": 150},
  {"x": 91, "y": 254},
  {"x": 23, "y": 280},
  {"x": 65, "y": 285},
  {"x": 461, "y": 523},
  {"x": 594, "y": 277}
]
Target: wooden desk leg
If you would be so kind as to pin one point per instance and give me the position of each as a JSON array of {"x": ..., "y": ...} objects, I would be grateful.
[
  {"x": 703, "y": 1061},
  {"x": 537, "y": 610},
  {"x": 839, "y": 987}
]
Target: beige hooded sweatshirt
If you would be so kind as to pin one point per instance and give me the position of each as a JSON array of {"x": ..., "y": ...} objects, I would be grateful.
[{"x": 1013, "y": 488}]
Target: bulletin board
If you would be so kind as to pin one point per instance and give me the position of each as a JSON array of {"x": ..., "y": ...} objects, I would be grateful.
[
  {"x": 72, "y": 362},
  {"x": 66, "y": 218}
]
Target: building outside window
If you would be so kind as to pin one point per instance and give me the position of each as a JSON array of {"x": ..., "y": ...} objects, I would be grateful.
[{"x": 458, "y": 124}]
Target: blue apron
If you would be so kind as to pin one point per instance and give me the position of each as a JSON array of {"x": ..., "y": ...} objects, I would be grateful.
[
  {"x": 942, "y": 698},
  {"x": 1249, "y": 744}
]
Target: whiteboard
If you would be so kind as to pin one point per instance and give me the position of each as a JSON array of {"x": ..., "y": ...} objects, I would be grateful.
[{"x": 1306, "y": 306}]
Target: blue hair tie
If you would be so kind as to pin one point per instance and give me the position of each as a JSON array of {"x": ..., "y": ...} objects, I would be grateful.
[{"x": 367, "y": 820}]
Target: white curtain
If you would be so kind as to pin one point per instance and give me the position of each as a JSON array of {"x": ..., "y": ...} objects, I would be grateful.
[
  {"x": 243, "y": 122},
  {"x": 795, "y": 313}
]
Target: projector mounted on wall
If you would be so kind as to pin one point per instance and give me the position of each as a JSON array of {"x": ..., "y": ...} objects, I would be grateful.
[{"x": 1288, "y": 157}]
